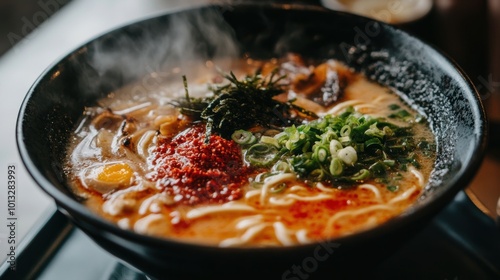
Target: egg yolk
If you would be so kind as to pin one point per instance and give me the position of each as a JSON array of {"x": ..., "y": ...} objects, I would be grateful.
[{"x": 119, "y": 173}]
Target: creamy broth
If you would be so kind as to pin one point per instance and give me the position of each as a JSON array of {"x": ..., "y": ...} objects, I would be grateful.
[{"x": 117, "y": 163}]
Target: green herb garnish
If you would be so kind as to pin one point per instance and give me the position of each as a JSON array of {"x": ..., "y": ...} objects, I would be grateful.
[
  {"x": 346, "y": 149},
  {"x": 392, "y": 188},
  {"x": 242, "y": 104}
]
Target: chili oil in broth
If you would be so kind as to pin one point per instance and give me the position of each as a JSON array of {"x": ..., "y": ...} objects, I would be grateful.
[{"x": 112, "y": 164}]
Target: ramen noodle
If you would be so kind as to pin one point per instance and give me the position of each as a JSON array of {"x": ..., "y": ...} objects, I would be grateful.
[{"x": 332, "y": 154}]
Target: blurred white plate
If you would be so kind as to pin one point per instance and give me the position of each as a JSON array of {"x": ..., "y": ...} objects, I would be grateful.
[{"x": 390, "y": 11}]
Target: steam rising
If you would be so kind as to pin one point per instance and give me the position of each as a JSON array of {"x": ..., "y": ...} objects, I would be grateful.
[{"x": 183, "y": 41}]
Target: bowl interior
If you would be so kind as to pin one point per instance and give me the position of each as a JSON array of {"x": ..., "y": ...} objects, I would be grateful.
[{"x": 426, "y": 80}]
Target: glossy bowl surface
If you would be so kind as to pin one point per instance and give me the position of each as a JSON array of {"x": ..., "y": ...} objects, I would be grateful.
[{"x": 426, "y": 79}]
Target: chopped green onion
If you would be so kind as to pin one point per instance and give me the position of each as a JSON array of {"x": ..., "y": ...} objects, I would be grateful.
[
  {"x": 401, "y": 114},
  {"x": 281, "y": 167},
  {"x": 375, "y": 131},
  {"x": 306, "y": 147},
  {"x": 389, "y": 162},
  {"x": 336, "y": 167},
  {"x": 260, "y": 178},
  {"x": 361, "y": 175},
  {"x": 257, "y": 185},
  {"x": 303, "y": 164},
  {"x": 394, "y": 107},
  {"x": 392, "y": 188},
  {"x": 317, "y": 175},
  {"x": 269, "y": 140},
  {"x": 261, "y": 154},
  {"x": 387, "y": 131},
  {"x": 344, "y": 149},
  {"x": 281, "y": 137},
  {"x": 345, "y": 130},
  {"x": 345, "y": 140},
  {"x": 278, "y": 188},
  {"x": 335, "y": 146},
  {"x": 328, "y": 136},
  {"x": 320, "y": 154},
  {"x": 378, "y": 169},
  {"x": 243, "y": 137},
  {"x": 374, "y": 143},
  {"x": 348, "y": 155}
]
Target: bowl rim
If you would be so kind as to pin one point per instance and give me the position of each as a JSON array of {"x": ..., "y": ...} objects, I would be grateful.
[{"x": 76, "y": 210}]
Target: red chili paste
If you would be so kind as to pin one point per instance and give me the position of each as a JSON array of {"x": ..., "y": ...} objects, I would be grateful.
[{"x": 194, "y": 172}]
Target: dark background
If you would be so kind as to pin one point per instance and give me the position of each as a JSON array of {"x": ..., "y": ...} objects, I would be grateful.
[{"x": 18, "y": 18}]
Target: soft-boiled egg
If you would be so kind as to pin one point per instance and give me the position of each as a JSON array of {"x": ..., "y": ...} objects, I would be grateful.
[{"x": 107, "y": 177}]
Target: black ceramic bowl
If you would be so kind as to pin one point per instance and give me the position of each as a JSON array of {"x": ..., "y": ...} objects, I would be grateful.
[{"x": 426, "y": 79}]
